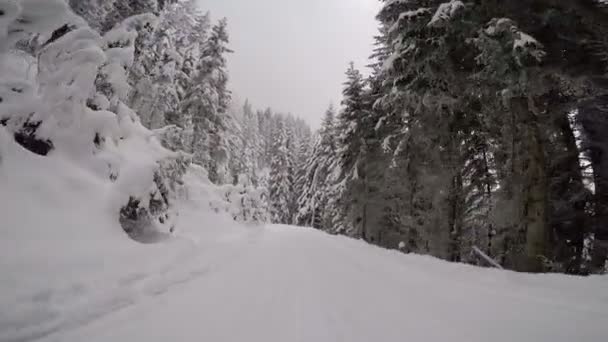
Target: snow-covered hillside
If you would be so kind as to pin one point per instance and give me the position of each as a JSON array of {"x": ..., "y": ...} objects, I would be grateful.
[{"x": 70, "y": 273}]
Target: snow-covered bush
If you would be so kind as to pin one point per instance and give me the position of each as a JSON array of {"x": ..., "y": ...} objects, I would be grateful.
[
  {"x": 21, "y": 110},
  {"x": 73, "y": 108},
  {"x": 145, "y": 216},
  {"x": 243, "y": 202}
]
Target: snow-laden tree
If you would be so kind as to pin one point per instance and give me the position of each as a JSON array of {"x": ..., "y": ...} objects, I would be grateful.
[
  {"x": 164, "y": 68},
  {"x": 313, "y": 210},
  {"x": 302, "y": 154},
  {"x": 207, "y": 101},
  {"x": 350, "y": 121},
  {"x": 266, "y": 123},
  {"x": 354, "y": 126},
  {"x": 78, "y": 110},
  {"x": 281, "y": 178},
  {"x": 252, "y": 144}
]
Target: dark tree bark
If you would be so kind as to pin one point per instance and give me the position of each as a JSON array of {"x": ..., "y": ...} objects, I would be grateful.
[{"x": 594, "y": 120}]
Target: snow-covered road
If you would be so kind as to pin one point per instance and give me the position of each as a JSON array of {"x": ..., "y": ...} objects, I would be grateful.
[{"x": 290, "y": 284}]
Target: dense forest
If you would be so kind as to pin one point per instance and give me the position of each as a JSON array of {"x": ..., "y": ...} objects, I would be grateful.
[
  {"x": 481, "y": 133},
  {"x": 483, "y": 125}
]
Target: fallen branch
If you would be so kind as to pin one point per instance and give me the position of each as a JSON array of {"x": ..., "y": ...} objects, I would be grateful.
[{"x": 487, "y": 258}]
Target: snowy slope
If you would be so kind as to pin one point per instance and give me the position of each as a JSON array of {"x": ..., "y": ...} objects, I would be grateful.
[
  {"x": 64, "y": 258},
  {"x": 69, "y": 273}
]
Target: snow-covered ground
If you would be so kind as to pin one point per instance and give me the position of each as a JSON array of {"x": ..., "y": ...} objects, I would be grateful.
[{"x": 69, "y": 273}]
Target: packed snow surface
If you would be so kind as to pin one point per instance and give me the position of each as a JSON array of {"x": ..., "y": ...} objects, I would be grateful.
[{"x": 69, "y": 274}]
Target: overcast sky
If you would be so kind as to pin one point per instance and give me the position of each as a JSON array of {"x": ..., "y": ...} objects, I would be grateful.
[{"x": 291, "y": 55}]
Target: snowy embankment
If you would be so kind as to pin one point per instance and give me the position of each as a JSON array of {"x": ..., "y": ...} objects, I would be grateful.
[
  {"x": 64, "y": 258},
  {"x": 70, "y": 273}
]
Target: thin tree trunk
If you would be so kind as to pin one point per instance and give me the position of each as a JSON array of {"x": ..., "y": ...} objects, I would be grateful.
[{"x": 455, "y": 218}]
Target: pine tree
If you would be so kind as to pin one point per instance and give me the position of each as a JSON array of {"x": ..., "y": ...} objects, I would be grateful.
[
  {"x": 163, "y": 71},
  {"x": 281, "y": 182},
  {"x": 207, "y": 101},
  {"x": 252, "y": 143},
  {"x": 350, "y": 120},
  {"x": 267, "y": 120},
  {"x": 302, "y": 155},
  {"x": 315, "y": 180},
  {"x": 351, "y": 187}
]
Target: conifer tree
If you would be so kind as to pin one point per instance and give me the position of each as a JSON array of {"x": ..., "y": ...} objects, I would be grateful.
[
  {"x": 353, "y": 127},
  {"x": 207, "y": 101},
  {"x": 315, "y": 181},
  {"x": 281, "y": 181}
]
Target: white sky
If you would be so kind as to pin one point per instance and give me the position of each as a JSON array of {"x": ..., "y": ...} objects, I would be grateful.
[{"x": 291, "y": 55}]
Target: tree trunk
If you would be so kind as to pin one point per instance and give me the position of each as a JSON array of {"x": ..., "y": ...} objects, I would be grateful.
[
  {"x": 594, "y": 119},
  {"x": 531, "y": 190},
  {"x": 569, "y": 218},
  {"x": 455, "y": 218}
]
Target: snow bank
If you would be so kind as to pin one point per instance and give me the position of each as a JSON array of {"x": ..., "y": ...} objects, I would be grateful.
[
  {"x": 60, "y": 238},
  {"x": 73, "y": 109}
]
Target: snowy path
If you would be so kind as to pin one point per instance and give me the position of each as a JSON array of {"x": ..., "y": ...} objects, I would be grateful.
[{"x": 289, "y": 284}]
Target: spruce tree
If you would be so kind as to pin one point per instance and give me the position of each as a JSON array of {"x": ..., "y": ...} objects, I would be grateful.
[
  {"x": 207, "y": 101},
  {"x": 315, "y": 180},
  {"x": 351, "y": 188},
  {"x": 281, "y": 181}
]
